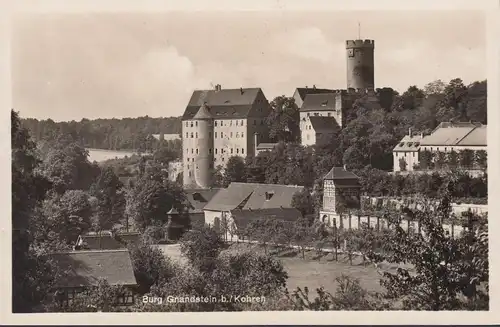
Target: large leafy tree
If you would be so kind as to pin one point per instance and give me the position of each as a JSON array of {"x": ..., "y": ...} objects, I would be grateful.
[
  {"x": 234, "y": 171},
  {"x": 30, "y": 272},
  {"x": 283, "y": 120}
]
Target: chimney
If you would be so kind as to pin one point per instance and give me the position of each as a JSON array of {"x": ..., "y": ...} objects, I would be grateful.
[
  {"x": 241, "y": 90},
  {"x": 307, "y": 87},
  {"x": 314, "y": 87},
  {"x": 410, "y": 132}
]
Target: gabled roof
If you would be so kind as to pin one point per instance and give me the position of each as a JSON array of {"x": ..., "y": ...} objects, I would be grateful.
[
  {"x": 85, "y": 268},
  {"x": 324, "y": 124},
  {"x": 304, "y": 91},
  {"x": 342, "y": 177},
  {"x": 320, "y": 102},
  {"x": 243, "y": 217},
  {"x": 478, "y": 137},
  {"x": 408, "y": 144},
  {"x": 449, "y": 134},
  {"x": 255, "y": 196},
  {"x": 199, "y": 198},
  {"x": 96, "y": 242},
  {"x": 224, "y": 103}
]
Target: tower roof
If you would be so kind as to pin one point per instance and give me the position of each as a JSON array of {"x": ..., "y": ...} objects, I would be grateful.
[
  {"x": 203, "y": 113},
  {"x": 339, "y": 173}
]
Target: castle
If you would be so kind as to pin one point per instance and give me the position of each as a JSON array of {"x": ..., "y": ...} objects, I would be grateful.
[{"x": 220, "y": 123}]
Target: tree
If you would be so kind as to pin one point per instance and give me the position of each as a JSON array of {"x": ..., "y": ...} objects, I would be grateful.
[
  {"x": 303, "y": 201},
  {"x": 466, "y": 158},
  {"x": 68, "y": 216},
  {"x": 150, "y": 266},
  {"x": 283, "y": 120},
  {"x": 235, "y": 171},
  {"x": 481, "y": 158},
  {"x": 438, "y": 278},
  {"x": 110, "y": 195},
  {"x": 31, "y": 273},
  {"x": 202, "y": 247},
  {"x": 402, "y": 164},
  {"x": 452, "y": 159}
]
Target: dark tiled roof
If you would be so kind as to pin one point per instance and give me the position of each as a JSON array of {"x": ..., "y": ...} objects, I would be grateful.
[
  {"x": 408, "y": 144},
  {"x": 324, "y": 124},
  {"x": 203, "y": 113},
  {"x": 199, "y": 198},
  {"x": 319, "y": 102},
  {"x": 303, "y": 92},
  {"x": 225, "y": 103},
  {"x": 254, "y": 195},
  {"x": 96, "y": 242},
  {"x": 243, "y": 217},
  {"x": 342, "y": 177},
  {"x": 85, "y": 268},
  {"x": 220, "y": 112}
]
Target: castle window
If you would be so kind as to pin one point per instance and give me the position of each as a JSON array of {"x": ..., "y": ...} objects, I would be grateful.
[
  {"x": 210, "y": 151},
  {"x": 192, "y": 151},
  {"x": 196, "y": 150},
  {"x": 242, "y": 151},
  {"x": 329, "y": 114},
  {"x": 215, "y": 150},
  {"x": 242, "y": 123},
  {"x": 215, "y": 123},
  {"x": 187, "y": 150},
  {"x": 231, "y": 151},
  {"x": 191, "y": 124},
  {"x": 221, "y": 134},
  {"x": 192, "y": 135},
  {"x": 231, "y": 123},
  {"x": 196, "y": 124},
  {"x": 242, "y": 135},
  {"x": 187, "y": 124},
  {"x": 215, "y": 134},
  {"x": 237, "y": 134},
  {"x": 187, "y": 134},
  {"x": 189, "y": 173},
  {"x": 196, "y": 134}
]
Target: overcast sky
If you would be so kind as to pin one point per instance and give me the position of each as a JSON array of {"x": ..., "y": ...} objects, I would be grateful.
[{"x": 68, "y": 67}]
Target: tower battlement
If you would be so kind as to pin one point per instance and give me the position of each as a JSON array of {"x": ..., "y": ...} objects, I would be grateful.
[{"x": 350, "y": 44}]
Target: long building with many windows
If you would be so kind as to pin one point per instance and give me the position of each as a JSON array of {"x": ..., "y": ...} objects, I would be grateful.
[{"x": 218, "y": 124}]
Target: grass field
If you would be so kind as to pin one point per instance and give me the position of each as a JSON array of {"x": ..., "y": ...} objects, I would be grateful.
[{"x": 312, "y": 271}]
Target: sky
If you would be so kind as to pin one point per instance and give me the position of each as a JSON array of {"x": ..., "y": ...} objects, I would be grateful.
[{"x": 74, "y": 66}]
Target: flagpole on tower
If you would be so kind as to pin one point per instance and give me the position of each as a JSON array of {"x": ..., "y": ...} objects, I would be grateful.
[{"x": 359, "y": 31}]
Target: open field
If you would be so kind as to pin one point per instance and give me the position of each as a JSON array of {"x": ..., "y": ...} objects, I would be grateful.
[{"x": 312, "y": 272}]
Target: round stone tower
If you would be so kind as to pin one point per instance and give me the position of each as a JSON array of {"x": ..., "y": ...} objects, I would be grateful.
[
  {"x": 360, "y": 64},
  {"x": 199, "y": 171}
]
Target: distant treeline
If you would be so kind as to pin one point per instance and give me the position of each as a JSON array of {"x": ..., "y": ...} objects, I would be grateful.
[{"x": 109, "y": 134}]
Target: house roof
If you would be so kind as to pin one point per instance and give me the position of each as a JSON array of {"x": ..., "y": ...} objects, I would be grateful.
[
  {"x": 199, "y": 198},
  {"x": 304, "y": 91},
  {"x": 224, "y": 103},
  {"x": 266, "y": 146},
  {"x": 203, "y": 113},
  {"x": 478, "y": 137},
  {"x": 408, "y": 144},
  {"x": 324, "y": 124},
  {"x": 319, "y": 102},
  {"x": 449, "y": 134},
  {"x": 102, "y": 242},
  {"x": 342, "y": 177},
  {"x": 243, "y": 217},
  {"x": 85, "y": 268},
  {"x": 252, "y": 195}
]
